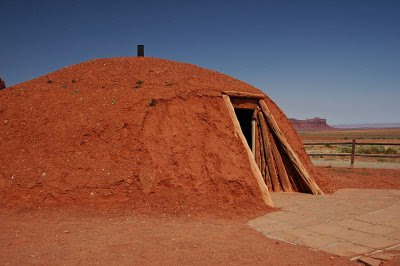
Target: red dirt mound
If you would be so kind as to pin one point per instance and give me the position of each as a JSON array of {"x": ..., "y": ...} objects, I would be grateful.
[{"x": 152, "y": 133}]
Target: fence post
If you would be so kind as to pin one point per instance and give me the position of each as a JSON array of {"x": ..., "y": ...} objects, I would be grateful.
[{"x": 353, "y": 152}]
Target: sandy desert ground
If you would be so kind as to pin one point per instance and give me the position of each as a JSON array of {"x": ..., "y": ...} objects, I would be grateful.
[{"x": 91, "y": 235}]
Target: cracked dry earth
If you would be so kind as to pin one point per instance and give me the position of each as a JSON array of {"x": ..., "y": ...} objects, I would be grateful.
[{"x": 363, "y": 225}]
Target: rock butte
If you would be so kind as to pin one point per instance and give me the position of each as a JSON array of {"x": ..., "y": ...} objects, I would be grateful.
[{"x": 310, "y": 124}]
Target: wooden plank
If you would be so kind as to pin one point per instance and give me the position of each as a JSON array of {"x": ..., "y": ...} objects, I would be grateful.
[
  {"x": 257, "y": 146},
  {"x": 253, "y": 136},
  {"x": 283, "y": 176},
  {"x": 244, "y": 94},
  {"x": 294, "y": 176},
  {"x": 280, "y": 167},
  {"x": 377, "y": 155},
  {"x": 350, "y": 142},
  {"x": 240, "y": 100},
  {"x": 268, "y": 152},
  {"x": 264, "y": 166},
  {"x": 327, "y": 143},
  {"x": 329, "y": 154},
  {"x": 308, "y": 180},
  {"x": 378, "y": 143},
  {"x": 290, "y": 171},
  {"x": 250, "y": 106},
  {"x": 266, "y": 197},
  {"x": 356, "y": 155}
]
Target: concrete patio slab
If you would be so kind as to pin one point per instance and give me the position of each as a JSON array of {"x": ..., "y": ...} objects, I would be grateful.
[
  {"x": 369, "y": 261},
  {"x": 382, "y": 256},
  {"x": 345, "y": 249},
  {"x": 350, "y": 222}
]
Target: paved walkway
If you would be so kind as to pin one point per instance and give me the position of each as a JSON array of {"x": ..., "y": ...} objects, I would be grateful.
[{"x": 355, "y": 223}]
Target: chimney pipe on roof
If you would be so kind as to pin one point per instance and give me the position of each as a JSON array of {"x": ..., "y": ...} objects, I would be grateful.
[{"x": 140, "y": 50}]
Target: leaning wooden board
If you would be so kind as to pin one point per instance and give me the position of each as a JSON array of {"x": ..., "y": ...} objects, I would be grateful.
[
  {"x": 253, "y": 165},
  {"x": 290, "y": 152}
]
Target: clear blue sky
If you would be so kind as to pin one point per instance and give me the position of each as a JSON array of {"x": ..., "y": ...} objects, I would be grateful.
[{"x": 335, "y": 59}]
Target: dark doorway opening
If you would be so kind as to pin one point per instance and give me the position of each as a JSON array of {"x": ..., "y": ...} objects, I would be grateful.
[{"x": 245, "y": 116}]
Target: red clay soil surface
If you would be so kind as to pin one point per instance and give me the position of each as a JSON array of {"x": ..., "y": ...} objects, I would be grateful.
[
  {"x": 112, "y": 235},
  {"x": 147, "y": 133},
  {"x": 332, "y": 179},
  {"x": 75, "y": 237}
]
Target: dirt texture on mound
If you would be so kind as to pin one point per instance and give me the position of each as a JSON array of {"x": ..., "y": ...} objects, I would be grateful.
[{"x": 151, "y": 133}]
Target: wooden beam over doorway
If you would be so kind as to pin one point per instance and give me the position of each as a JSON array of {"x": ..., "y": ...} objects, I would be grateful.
[{"x": 244, "y": 94}]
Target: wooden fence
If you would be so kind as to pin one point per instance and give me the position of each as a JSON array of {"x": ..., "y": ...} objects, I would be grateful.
[{"x": 353, "y": 153}]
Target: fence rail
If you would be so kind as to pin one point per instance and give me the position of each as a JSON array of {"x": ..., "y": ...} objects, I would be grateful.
[
  {"x": 350, "y": 142},
  {"x": 353, "y": 153}
]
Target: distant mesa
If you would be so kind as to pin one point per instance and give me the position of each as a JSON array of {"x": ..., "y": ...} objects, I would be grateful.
[
  {"x": 310, "y": 124},
  {"x": 2, "y": 84}
]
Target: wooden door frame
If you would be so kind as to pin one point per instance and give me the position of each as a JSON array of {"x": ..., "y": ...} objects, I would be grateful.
[{"x": 265, "y": 195}]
